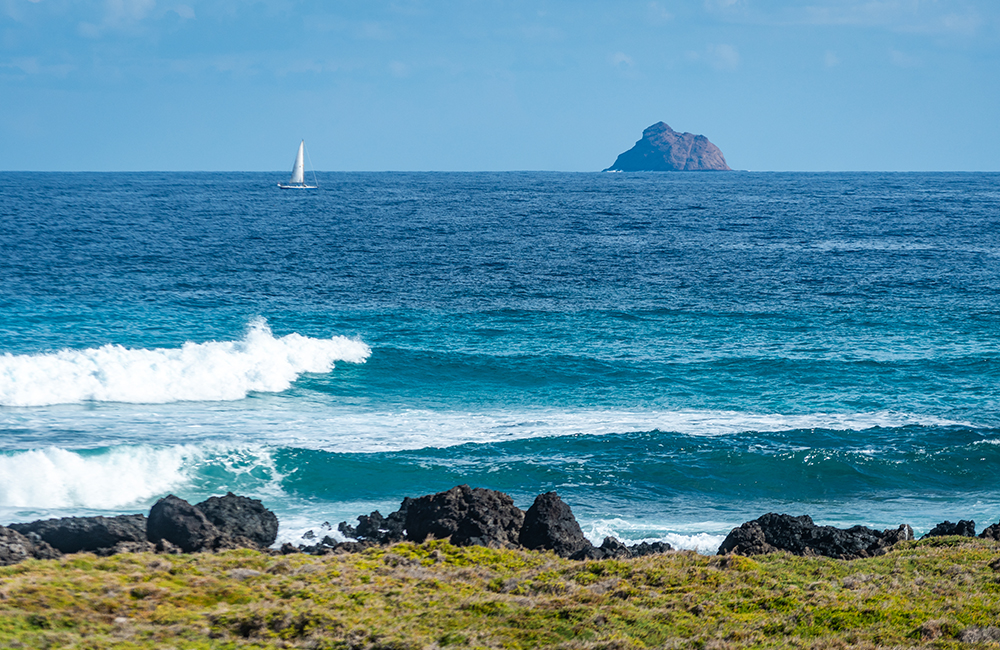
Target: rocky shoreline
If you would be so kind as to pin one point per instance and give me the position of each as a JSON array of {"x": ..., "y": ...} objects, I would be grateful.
[{"x": 463, "y": 515}]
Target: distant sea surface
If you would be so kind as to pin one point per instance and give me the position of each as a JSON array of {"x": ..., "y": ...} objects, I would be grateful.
[{"x": 673, "y": 353}]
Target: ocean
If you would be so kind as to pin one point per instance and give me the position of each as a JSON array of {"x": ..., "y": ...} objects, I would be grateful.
[{"x": 673, "y": 353}]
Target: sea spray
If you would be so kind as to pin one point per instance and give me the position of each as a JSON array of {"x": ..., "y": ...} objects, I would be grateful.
[
  {"x": 216, "y": 370},
  {"x": 54, "y": 478},
  {"x": 127, "y": 479}
]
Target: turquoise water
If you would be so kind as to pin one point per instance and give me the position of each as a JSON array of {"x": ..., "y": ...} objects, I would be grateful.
[{"x": 673, "y": 353}]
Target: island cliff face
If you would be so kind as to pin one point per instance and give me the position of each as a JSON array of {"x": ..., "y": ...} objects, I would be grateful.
[{"x": 664, "y": 150}]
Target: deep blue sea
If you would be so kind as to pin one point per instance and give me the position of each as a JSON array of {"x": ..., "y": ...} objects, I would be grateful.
[{"x": 673, "y": 353}]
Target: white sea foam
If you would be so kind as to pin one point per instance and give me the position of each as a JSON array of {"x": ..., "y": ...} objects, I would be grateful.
[
  {"x": 689, "y": 537},
  {"x": 359, "y": 428},
  {"x": 54, "y": 478},
  {"x": 212, "y": 371},
  {"x": 58, "y": 480}
]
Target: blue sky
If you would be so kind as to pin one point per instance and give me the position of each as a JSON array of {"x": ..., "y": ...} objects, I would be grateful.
[{"x": 778, "y": 85}]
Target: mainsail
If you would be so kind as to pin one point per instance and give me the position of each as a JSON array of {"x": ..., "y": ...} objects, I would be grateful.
[{"x": 298, "y": 170}]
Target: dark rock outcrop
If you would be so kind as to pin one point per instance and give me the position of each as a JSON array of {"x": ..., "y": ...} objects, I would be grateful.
[
  {"x": 991, "y": 532},
  {"x": 800, "y": 536},
  {"x": 15, "y": 547},
  {"x": 75, "y": 534},
  {"x": 241, "y": 517},
  {"x": 176, "y": 521},
  {"x": 964, "y": 528},
  {"x": 649, "y": 548},
  {"x": 469, "y": 516},
  {"x": 376, "y": 528},
  {"x": 662, "y": 149},
  {"x": 549, "y": 524}
]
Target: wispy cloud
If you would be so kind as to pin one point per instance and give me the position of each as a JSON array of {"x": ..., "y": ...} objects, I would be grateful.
[
  {"x": 723, "y": 57},
  {"x": 33, "y": 65},
  {"x": 955, "y": 17},
  {"x": 620, "y": 59},
  {"x": 118, "y": 16},
  {"x": 830, "y": 59},
  {"x": 658, "y": 13},
  {"x": 903, "y": 60}
]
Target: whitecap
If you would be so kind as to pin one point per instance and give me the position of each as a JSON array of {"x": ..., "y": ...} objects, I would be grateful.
[{"x": 211, "y": 371}]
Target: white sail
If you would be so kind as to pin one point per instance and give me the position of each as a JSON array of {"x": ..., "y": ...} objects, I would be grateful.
[{"x": 298, "y": 169}]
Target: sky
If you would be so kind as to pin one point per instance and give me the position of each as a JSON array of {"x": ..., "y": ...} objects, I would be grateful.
[{"x": 480, "y": 85}]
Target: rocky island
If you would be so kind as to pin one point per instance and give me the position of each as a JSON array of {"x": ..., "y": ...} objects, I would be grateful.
[{"x": 662, "y": 149}]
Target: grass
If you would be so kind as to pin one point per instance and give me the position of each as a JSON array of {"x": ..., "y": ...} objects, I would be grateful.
[{"x": 434, "y": 595}]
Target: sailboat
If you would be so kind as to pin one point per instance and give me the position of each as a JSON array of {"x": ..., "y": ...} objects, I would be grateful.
[{"x": 298, "y": 179}]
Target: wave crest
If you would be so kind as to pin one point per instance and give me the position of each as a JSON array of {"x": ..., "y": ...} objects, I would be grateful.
[
  {"x": 59, "y": 478},
  {"x": 212, "y": 371}
]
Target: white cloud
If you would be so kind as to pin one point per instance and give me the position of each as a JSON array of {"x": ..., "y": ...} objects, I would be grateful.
[
  {"x": 913, "y": 16},
  {"x": 184, "y": 11},
  {"x": 32, "y": 65},
  {"x": 721, "y": 4},
  {"x": 621, "y": 59},
  {"x": 659, "y": 14},
  {"x": 399, "y": 69},
  {"x": 903, "y": 60},
  {"x": 374, "y": 31},
  {"x": 119, "y": 15},
  {"x": 537, "y": 32},
  {"x": 721, "y": 57}
]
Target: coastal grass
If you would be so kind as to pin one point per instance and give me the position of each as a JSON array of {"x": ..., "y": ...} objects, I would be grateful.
[{"x": 939, "y": 593}]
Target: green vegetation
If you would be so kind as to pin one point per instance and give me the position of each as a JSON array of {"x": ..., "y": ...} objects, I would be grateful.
[{"x": 434, "y": 595}]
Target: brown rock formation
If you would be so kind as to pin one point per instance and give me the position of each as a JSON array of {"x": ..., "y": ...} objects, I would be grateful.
[{"x": 662, "y": 149}]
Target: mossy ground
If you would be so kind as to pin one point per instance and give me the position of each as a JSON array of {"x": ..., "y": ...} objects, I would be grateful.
[{"x": 435, "y": 595}]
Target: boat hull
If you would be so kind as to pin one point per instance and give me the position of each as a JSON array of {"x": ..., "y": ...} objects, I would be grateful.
[{"x": 296, "y": 187}]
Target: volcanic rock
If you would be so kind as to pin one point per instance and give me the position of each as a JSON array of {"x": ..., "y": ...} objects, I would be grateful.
[
  {"x": 376, "y": 528},
  {"x": 662, "y": 149},
  {"x": 241, "y": 517},
  {"x": 75, "y": 534},
  {"x": 648, "y": 548},
  {"x": 176, "y": 521},
  {"x": 991, "y": 532},
  {"x": 800, "y": 536},
  {"x": 549, "y": 524},
  {"x": 964, "y": 528},
  {"x": 15, "y": 547},
  {"x": 613, "y": 548},
  {"x": 469, "y": 516}
]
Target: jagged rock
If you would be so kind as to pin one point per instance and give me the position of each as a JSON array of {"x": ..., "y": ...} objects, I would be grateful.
[
  {"x": 15, "y": 547},
  {"x": 176, "y": 521},
  {"x": 800, "y": 536},
  {"x": 549, "y": 524},
  {"x": 964, "y": 528},
  {"x": 241, "y": 517},
  {"x": 649, "y": 548},
  {"x": 468, "y": 516},
  {"x": 991, "y": 532},
  {"x": 613, "y": 548},
  {"x": 662, "y": 149},
  {"x": 75, "y": 534},
  {"x": 376, "y": 528},
  {"x": 352, "y": 547}
]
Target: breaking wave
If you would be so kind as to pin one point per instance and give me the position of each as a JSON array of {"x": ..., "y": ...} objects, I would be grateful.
[{"x": 212, "y": 371}]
